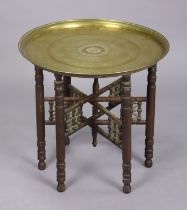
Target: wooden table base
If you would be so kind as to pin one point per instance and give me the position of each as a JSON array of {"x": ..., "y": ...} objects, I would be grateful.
[{"x": 65, "y": 112}]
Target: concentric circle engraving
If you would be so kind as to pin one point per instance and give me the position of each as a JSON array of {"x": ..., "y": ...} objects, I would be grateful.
[{"x": 92, "y": 50}]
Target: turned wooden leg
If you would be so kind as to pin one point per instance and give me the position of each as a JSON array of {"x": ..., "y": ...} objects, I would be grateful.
[
  {"x": 60, "y": 132},
  {"x": 150, "y": 115},
  {"x": 126, "y": 132},
  {"x": 94, "y": 112},
  {"x": 40, "y": 117},
  {"x": 67, "y": 82}
]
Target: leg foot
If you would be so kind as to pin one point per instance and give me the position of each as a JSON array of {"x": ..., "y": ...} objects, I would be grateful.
[
  {"x": 94, "y": 143},
  {"x": 41, "y": 165},
  {"x": 60, "y": 187},
  {"x": 148, "y": 163},
  {"x": 94, "y": 135},
  {"x": 127, "y": 188}
]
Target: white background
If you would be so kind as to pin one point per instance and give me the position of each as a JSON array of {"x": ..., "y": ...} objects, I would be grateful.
[{"x": 93, "y": 178}]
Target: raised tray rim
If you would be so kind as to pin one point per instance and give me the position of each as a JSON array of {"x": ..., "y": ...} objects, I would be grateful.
[{"x": 164, "y": 39}]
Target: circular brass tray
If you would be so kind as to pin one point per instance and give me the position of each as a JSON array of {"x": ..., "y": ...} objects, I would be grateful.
[{"x": 93, "y": 47}]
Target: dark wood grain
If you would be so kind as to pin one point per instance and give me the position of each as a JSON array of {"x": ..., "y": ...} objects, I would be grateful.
[
  {"x": 40, "y": 117},
  {"x": 126, "y": 132},
  {"x": 94, "y": 113},
  {"x": 67, "y": 82},
  {"x": 60, "y": 132},
  {"x": 90, "y": 97},
  {"x": 150, "y": 116},
  {"x": 67, "y": 93},
  {"x": 66, "y": 100}
]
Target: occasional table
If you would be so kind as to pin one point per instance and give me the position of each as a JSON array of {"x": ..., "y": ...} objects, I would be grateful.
[{"x": 94, "y": 48}]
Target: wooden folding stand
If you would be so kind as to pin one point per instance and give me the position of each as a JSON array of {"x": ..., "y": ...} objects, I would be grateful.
[{"x": 65, "y": 111}]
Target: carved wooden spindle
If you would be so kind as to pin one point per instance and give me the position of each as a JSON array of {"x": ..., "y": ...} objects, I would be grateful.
[
  {"x": 40, "y": 117},
  {"x": 94, "y": 112},
  {"x": 126, "y": 132},
  {"x": 67, "y": 92},
  {"x": 150, "y": 115},
  {"x": 60, "y": 132},
  {"x": 139, "y": 111},
  {"x": 51, "y": 111}
]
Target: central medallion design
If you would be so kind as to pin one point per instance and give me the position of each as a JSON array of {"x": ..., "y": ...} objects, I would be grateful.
[{"x": 92, "y": 49}]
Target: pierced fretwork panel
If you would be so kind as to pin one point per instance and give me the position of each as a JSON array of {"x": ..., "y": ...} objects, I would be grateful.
[
  {"x": 138, "y": 103},
  {"x": 116, "y": 90},
  {"x": 51, "y": 110},
  {"x": 72, "y": 118},
  {"x": 74, "y": 111},
  {"x": 114, "y": 131}
]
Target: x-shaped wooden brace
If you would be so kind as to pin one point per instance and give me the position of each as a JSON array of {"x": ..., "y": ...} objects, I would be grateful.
[
  {"x": 92, "y": 121},
  {"x": 63, "y": 98},
  {"x": 94, "y": 99}
]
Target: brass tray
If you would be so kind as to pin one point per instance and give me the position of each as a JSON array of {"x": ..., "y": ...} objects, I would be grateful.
[{"x": 93, "y": 47}]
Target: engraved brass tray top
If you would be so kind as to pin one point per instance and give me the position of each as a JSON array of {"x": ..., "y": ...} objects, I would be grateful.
[{"x": 93, "y": 47}]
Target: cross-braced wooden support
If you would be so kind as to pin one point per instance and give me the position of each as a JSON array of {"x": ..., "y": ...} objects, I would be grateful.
[
  {"x": 66, "y": 112},
  {"x": 75, "y": 119}
]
